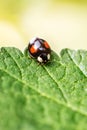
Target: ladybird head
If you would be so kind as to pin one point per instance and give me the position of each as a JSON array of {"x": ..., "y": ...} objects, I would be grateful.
[{"x": 43, "y": 58}]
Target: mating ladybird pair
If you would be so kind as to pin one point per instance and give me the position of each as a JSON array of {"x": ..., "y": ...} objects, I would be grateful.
[{"x": 40, "y": 50}]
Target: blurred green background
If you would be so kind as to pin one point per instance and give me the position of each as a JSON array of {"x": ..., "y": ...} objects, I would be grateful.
[{"x": 63, "y": 23}]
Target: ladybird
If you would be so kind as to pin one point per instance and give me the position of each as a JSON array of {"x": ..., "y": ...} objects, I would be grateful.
[{"x": 39, "y": 49}]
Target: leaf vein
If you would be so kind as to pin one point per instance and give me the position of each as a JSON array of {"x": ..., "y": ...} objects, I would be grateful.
[
  {"x": 15, "y": 62},
  {"x": 64, "y": 96},
  {"x": 76, "y": 64},
  {"x": 46, "y": 96}
]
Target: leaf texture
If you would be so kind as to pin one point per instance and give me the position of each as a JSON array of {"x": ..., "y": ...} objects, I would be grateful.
[{"x": 43, "y": 97}]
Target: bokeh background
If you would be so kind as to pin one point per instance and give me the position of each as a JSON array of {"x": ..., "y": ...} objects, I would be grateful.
[{"x": 63, "y": 23}]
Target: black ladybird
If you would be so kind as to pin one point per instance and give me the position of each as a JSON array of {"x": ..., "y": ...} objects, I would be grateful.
[{"x": 39, "y": 49}]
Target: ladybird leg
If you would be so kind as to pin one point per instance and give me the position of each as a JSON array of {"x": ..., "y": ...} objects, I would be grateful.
[{"x": 40, "y": 63}]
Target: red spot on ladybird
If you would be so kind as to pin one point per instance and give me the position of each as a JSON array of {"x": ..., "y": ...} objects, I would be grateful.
[
  {"x": 46, "y": 45},
  {"x": 33, "y": 50}
]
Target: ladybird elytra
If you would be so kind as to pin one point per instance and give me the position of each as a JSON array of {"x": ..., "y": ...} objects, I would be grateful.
[{"x": 39, "y": 49}]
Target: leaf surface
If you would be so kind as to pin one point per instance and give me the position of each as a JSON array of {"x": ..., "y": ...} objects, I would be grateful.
[{"x": 43, "y": 97}]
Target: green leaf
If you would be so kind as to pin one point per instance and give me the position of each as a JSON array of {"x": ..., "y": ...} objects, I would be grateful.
[{"x": 43, "y": 97}]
